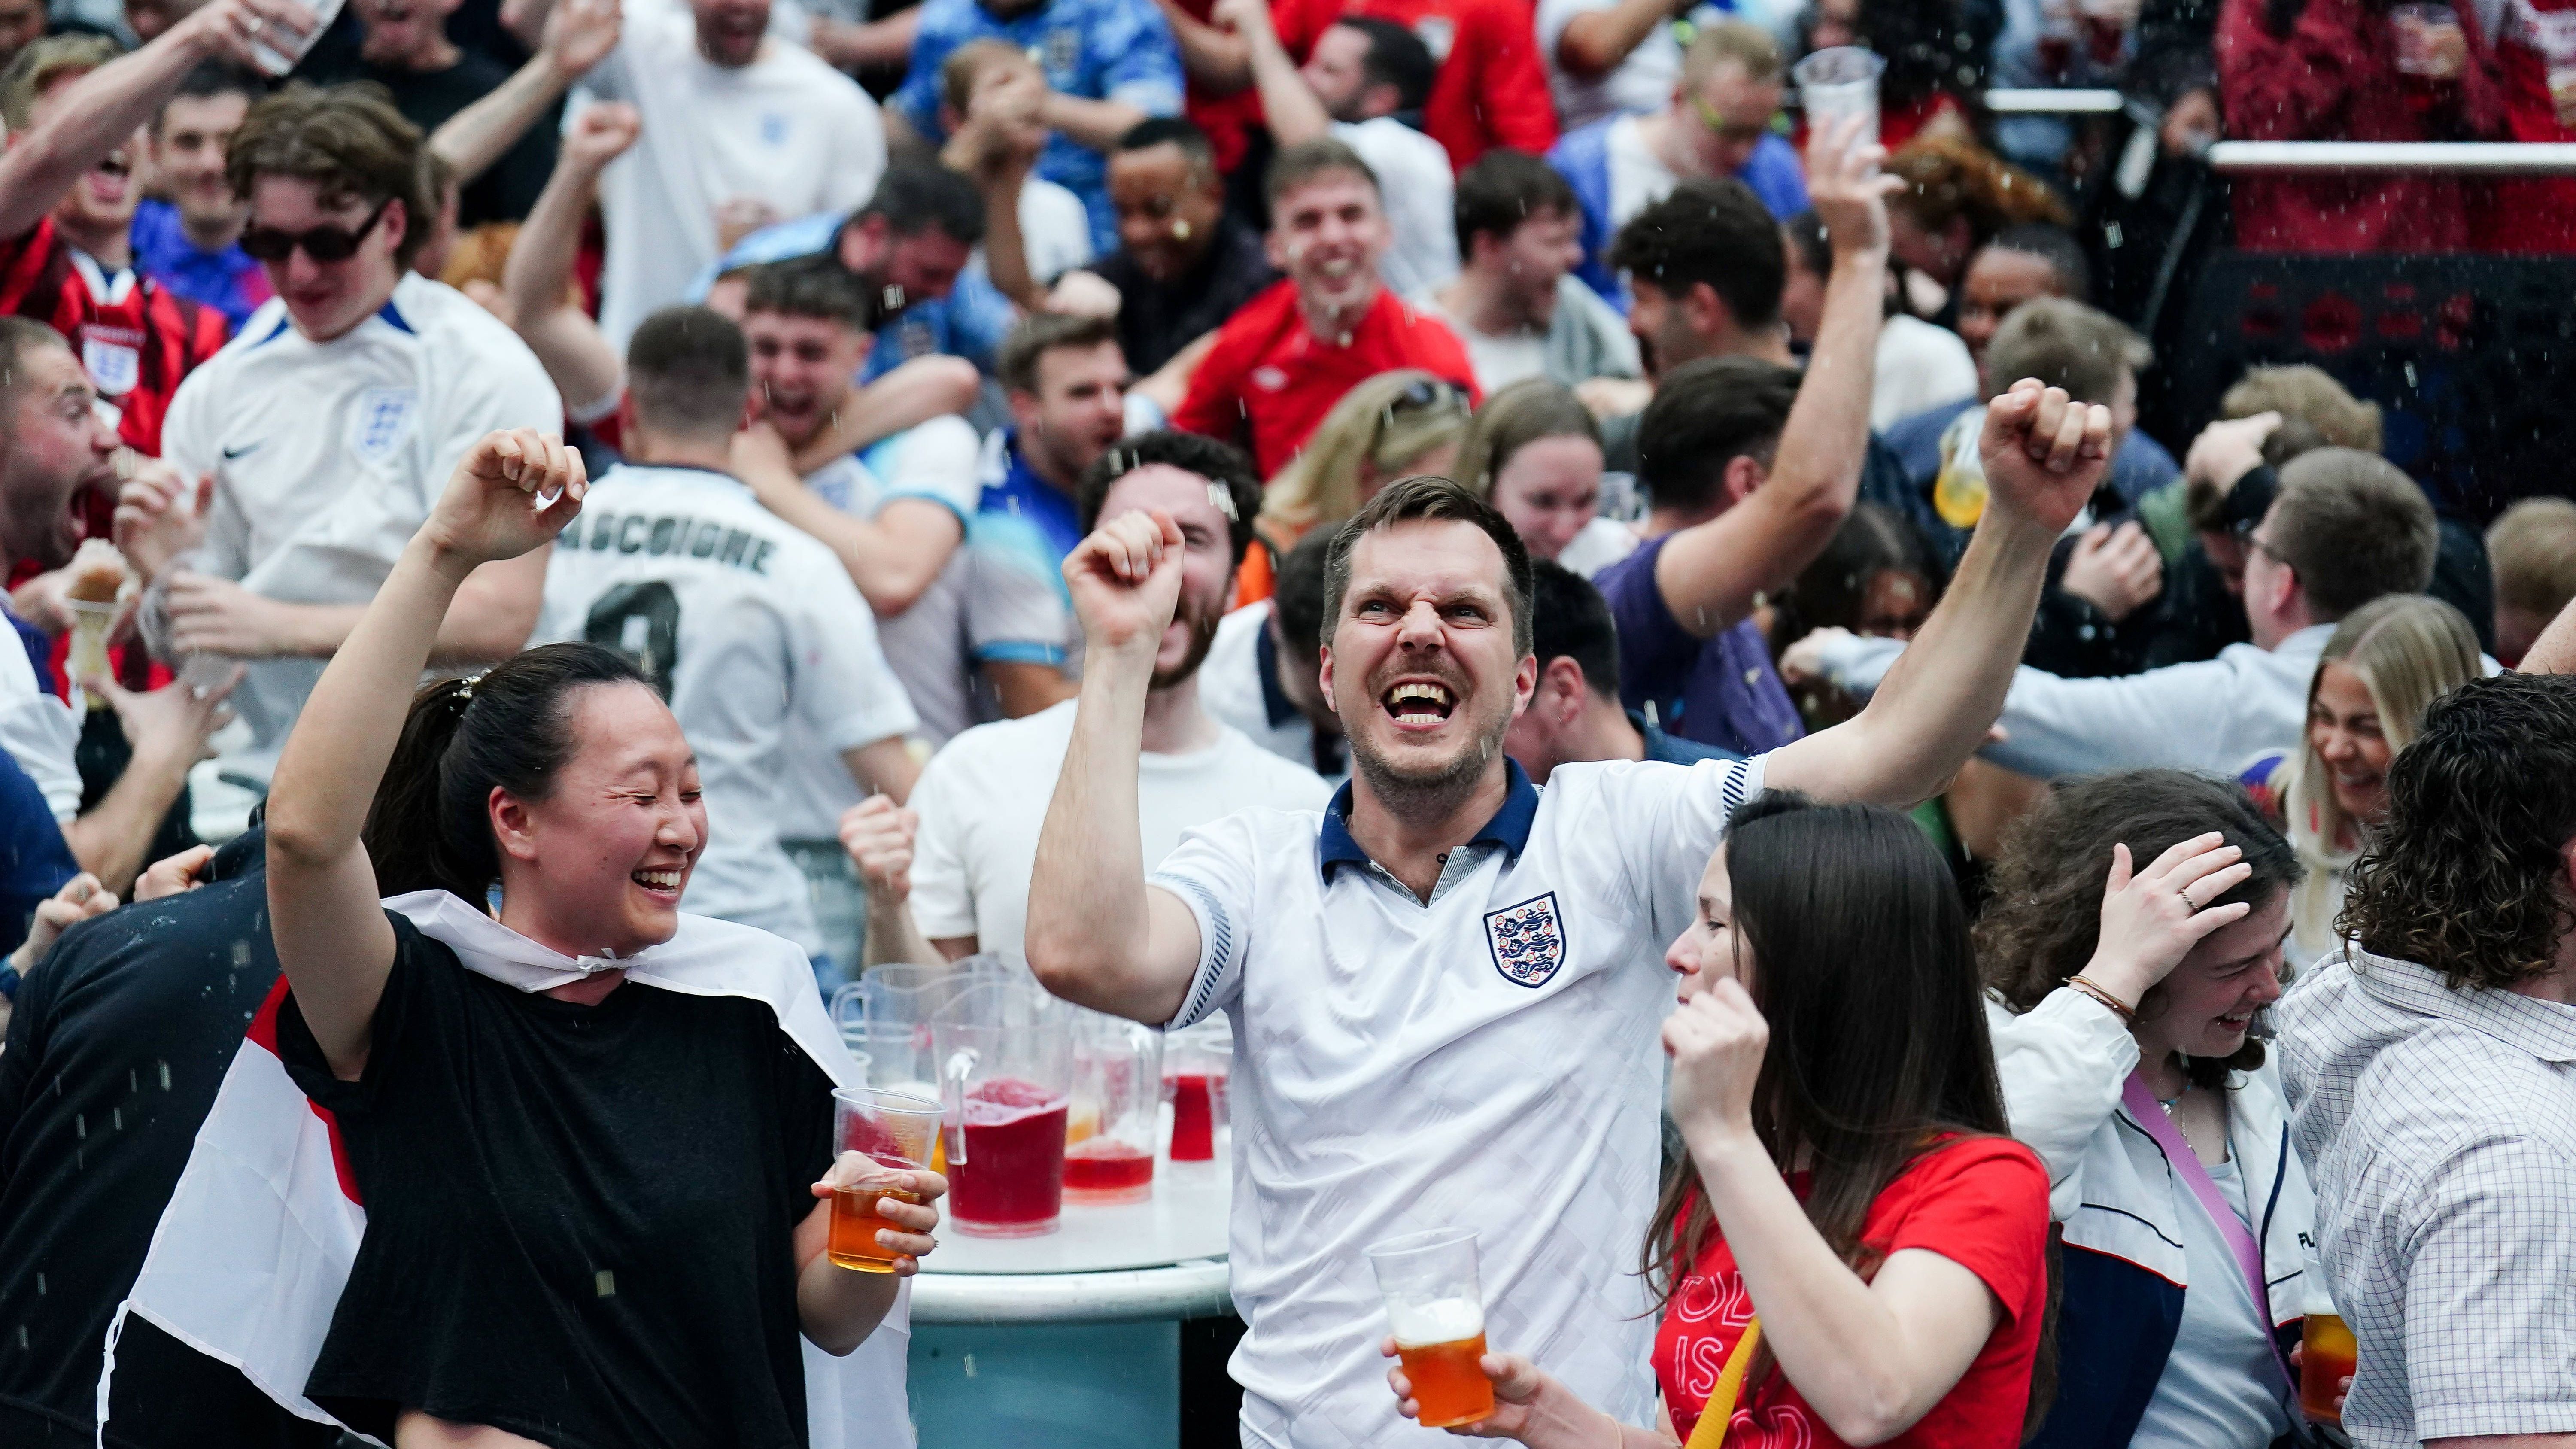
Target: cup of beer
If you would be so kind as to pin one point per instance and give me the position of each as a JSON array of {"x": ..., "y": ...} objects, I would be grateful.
[
  {"x": 892, "y": 1130},
  {"x": 1437, "y": 1314},
  {"x": 2327, "y": 1354}
]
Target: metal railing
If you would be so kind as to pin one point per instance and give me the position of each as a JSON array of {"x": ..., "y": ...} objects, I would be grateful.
[
  {"x": 2465, "y": 158},
  {"x": 2039, "y": 102}
]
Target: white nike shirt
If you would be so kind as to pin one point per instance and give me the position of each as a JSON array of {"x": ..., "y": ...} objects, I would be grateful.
[
  {"x": 328, "y": 455},
  {"x": 1486, "y": 1061},
  {"x": 786, "y": 129},
  {"x": 744, "y": 623}
]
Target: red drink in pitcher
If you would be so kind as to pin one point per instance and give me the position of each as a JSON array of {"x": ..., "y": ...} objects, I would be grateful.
[
  {"x": 1009, "y": 1182},
  {"x": 1104, "y": 1169}
]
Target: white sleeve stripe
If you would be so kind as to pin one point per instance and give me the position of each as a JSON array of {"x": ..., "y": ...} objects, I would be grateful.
[{"x": 1220, "y": 949}]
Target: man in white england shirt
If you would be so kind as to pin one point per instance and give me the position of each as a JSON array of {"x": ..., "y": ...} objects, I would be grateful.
[
  {"x": 740, "y": 130},
  {"x": 1395, "y": 1066},
  {"x": 329, "y": 423},
  {"x": 981, "y": 799},
  {"x": 741, "y": 621}
]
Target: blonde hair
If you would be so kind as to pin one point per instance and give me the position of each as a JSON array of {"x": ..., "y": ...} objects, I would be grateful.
[
  {"x": 1376, "y": 425},
  {"x": 1747, "y": 44},
  {"x": 2310, "y": 395},
  {"x": 2408, "y": 650},
  {"x": 2532, "y": 549}
]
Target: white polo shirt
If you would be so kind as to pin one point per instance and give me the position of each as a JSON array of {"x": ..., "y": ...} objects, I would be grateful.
[
  {"x": 1239, "y": 685},
  {"x": 327, "y": 456},
  {"x": 744, "y": 623},
  {"x": 1486, "y": 1061}
]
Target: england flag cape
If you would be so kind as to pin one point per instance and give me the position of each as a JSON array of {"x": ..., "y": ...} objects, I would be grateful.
[{"x": 250, "y": 1256}]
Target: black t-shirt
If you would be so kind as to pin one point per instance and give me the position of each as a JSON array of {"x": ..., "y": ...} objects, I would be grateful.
[
  {"x": 1157, "y": 320},
  {"x": 428, "y": 99},
  {"x": 119, "y": 1041},
  {"x": 578, "y": 1217}
]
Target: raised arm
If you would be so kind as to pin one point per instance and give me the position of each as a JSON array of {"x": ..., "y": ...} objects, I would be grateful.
[
  {"x": 1213, "y": 58},
  {"x": 2043, "y": 456},
  {"x": 538, "y": 279},
  {"x": 1295, "y": 113},
  {"x": 893, "y": 557},
  {"x": 578, "y": 34},
  {"x": 1711, "y": 573},
  {"x": 1597, "y": 42},
  {"x": 332, "y": 936},
  {"x": 103, "y": 109},
  {"x": 1097, "y": 935}
]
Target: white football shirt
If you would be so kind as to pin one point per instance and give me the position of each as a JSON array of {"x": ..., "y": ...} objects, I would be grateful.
[
  {"x": 327, "y": 456},
  {"x": 40, "y": 732},
  {"x": 969, "y": 613},
  {"x": 1236, "y": 686},
  {"x": 786, "y": 129},
  {"x": 743, "y": 623},
  {"x": 1488, "y": 1061},
  {"x": 984, "y": 798}
]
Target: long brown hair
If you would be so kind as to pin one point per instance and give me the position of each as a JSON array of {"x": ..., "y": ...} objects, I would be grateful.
[
  {"x": 2046, "y": 912},
  {"x": 1865, "y": 973}
]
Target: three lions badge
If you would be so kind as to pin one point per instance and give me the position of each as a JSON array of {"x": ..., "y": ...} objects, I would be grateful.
[{"x": 1527, "y": 941}]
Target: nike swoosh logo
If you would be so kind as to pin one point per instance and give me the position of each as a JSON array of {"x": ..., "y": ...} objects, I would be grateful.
[{"x": 232, "y": 453}]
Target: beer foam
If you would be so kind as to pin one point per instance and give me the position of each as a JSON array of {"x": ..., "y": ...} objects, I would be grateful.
[{"x": 1442, "y": 1320}]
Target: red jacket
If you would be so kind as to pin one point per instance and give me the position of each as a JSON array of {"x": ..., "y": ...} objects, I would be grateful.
[
  {"x": 2334, "y": 77},
  {"x": 1490, "y": 89},
  {"x": 2536, "y": 214}
]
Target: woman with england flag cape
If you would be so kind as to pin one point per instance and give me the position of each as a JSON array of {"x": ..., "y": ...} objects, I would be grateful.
[{"x": 592, "y": 1137}]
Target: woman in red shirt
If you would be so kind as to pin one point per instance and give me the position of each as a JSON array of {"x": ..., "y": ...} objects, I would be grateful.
[{"x": 1848, "y": 1185}]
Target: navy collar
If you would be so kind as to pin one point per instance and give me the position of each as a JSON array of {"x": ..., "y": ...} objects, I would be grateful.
[{"x": 1509, "y": 827}]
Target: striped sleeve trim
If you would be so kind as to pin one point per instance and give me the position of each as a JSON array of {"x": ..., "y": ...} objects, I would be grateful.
[{"x": 1220, "y": 949}]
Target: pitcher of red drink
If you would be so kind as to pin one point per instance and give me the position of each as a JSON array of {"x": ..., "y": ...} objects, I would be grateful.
[
  {"x": 1117, "y": 1109},
  {"x": 1005, "y": 1058}
]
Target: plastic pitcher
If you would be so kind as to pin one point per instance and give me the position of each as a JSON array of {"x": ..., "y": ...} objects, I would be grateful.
[
  {"x": 1005, "y": 1055},
  {"x": 1117, "y": 1109}
]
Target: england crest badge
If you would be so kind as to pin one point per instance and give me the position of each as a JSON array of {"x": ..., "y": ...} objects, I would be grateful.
[{"x": 1527, "y": 940}]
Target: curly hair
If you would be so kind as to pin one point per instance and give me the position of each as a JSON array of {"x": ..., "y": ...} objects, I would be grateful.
[
  {"x": 2046, "y": 915},
  {"x": 2469, "y": 875}
]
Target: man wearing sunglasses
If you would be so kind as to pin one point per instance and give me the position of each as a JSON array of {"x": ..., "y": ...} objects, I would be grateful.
[
  {"x": 1718, "y": 123},
  {"x": 324, "y": 431}
]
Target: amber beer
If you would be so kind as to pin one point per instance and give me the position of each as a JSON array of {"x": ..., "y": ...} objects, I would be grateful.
[
  {"x": 2326, "y": 1358},
  {"x": 1440, "y": 1344},
  {"x": 893, "y": 1130},
  {"x": 1437, "y": 1315},
  {"x": 855, "y": 1221}
]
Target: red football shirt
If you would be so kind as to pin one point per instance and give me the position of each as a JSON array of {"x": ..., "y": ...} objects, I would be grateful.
[
  {"x": 136, "y": 338},
  {"x": 1269, "y": 380},
  {"x": 1490, "y": 89},
  {"x": 1982, "y": 1203}
]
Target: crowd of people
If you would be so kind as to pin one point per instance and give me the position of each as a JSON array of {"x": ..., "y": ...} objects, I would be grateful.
[{"x": 551, "y": 536}]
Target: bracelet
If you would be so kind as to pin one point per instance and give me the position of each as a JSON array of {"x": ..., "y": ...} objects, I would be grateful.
[
  {"x": 9, "y": 979},
  {"x": 2127, "y": 1014}
]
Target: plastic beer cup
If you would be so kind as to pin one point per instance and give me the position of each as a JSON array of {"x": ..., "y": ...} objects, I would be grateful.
[
  {"x": 892, "y": 1130},
  {"x": 2326, "y": 1357},
  {"x": 1838, "y": 82},
  {"x": 1437, "y": 1314}
]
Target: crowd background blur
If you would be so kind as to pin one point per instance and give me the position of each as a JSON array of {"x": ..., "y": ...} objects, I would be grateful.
[{"x": 967, "y": 265}]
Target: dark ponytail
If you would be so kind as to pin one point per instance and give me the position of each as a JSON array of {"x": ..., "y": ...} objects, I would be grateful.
[{"x": 510, "y": 727}]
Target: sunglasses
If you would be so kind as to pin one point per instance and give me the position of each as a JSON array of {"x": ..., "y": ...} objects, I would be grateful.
[
  {"x": 333, "y": 243},
  {"x": 1419, "y": 396}
]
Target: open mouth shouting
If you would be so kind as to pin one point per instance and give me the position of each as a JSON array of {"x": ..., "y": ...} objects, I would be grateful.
[{"x": 1419, "y": 704}]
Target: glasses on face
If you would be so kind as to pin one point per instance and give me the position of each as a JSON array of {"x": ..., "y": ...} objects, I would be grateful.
[
  {"x": 1720, "y": 127},
  {"x": 332, "y": 243}
]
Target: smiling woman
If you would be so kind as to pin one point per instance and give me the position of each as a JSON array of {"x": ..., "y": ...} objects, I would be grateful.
[
  {"x": 2122, "y": 1020},
  {"x": 584, "y": 1101}
]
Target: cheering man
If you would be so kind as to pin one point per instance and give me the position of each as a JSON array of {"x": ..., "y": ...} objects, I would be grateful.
[{"x": 1444, "y": 987}]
